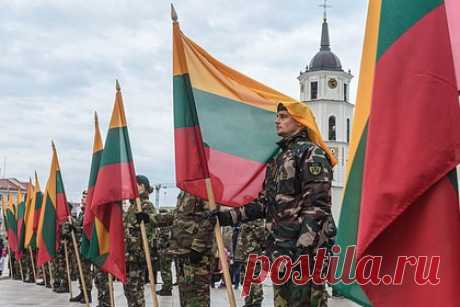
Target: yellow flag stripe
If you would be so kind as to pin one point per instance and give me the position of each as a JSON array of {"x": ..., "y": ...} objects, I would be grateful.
[{"x": 366, "y": 80}]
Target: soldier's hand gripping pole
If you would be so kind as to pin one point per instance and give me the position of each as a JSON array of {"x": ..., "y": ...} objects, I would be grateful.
[
  {"x": 33, "y": 263},
  {"x": 68, "y": 267},
  {"x": 220, "y": 247},
  {"x": 147, "y": 256},
  {"x": 77, "y": 254}
]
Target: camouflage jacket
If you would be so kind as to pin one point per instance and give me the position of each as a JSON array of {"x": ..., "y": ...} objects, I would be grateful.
[
  {"x": 134, "y": 250},
  {"x": 190, "y": 226},
  {"x": 250, "y": 240},
  {"x": 164, "y": 236},
  {"x": 295, "y": 200},
  {"x": 77, "y": 223}
]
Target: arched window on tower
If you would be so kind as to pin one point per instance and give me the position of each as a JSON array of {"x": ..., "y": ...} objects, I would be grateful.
[
  {"x": 332, "y": 136},
  {"x": 348, "y": 130}
]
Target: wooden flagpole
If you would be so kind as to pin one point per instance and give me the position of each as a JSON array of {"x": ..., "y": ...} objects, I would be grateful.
[
  {"x": 148, "y": 259},
  {"x": 77, "y": 254},
  {"x": 68, "y": 268},
  {"x": 33, "y": 263}
]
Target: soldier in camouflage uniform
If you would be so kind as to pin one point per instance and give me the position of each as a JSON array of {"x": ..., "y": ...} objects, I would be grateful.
[
  {"x": 165, "y": 259},
  {"x": 251, "y": 241},
  {"x": 101, "y": 282},
  {"x": 77, "y": 227},
  {"x": 27, "y": 267},
  {"x": 58, "y": 264},
  {"x": 134, "y": 252},
  {"x": 16, "y": 274},
  {"x": 190, "y": 244},
  {"x": 296, "y": 204}
]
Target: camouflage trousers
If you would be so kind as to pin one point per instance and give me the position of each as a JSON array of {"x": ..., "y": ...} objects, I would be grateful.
[
  {"x": 59, "y": 269},
  {"x": 27, "y": 266},
  {"x": 292, "y": 295},
  {"x": 16, "y": 274},
  {"x": 44, "y": 272},
  {"x": 74, "y": 273},
  {"x": 87, "y": 274},
  {"x": 101, "y": 283},
  {"x": 166, "y": 273},
  {"x": 193, "y": 281},
  {"x": 134, "y": 287},
  {"x": 256, "y": 293}
]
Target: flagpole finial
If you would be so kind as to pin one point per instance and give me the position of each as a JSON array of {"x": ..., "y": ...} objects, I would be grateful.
[
  {"x": 52, "y": 145},
  {"x": 117, "y": 85},
  {"x": 96, "y": 120},
  {"x": 173, "y": 13}
]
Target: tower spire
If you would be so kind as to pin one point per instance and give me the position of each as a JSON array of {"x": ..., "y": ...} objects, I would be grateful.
[{"x": 325, "y": 44}]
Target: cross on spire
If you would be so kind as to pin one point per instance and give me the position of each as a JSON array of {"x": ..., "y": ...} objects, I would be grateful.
[{"x": 325, "y": 6}]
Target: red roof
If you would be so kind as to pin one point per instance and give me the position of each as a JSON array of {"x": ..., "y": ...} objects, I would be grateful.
[{"x": 12, "y": 184}]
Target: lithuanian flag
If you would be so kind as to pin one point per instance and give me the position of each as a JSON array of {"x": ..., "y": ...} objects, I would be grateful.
[
  {"x": 401, "y": 195},
  {"x": 116, "y": 181},
  {"x": 23, "y": 207},
  {"x": 224, "y": 125},
  {"x": 32, "y": 216},
  {"x": 11, "y": 223},
  {"x": 88, "y": 218},
  {"x": 54, "y": 212}
]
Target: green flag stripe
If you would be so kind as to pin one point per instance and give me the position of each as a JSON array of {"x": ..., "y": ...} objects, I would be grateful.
[
  {"x": 11, "y": 221},
  {"x": 49, "y": 227},
  {"x": 235, "y": 130},
  {"x": 349, "y": 219},
  {"x": 59, "y": 183},
  {"x": 117, "y": 147},
  {"x": 397, "y": 16},
  {"x": 184, "y": 108},
  {"x": 95, "y": 164}
]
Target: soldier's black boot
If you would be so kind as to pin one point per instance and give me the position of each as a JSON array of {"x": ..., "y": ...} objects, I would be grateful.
[
  {"x": 164, "y": 292},
  {"x": 76, "y": 298},
  {"x": 42, "y": 283}
]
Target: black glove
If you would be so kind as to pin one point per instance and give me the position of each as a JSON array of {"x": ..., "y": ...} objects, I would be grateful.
[
  {"x": 224, "y": 217},
  {"x": 142, "y": 216},
  {"x": 195, "y": 257}
]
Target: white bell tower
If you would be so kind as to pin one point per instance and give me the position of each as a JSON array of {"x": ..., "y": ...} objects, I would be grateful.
[{"x": 325, "y": 88}]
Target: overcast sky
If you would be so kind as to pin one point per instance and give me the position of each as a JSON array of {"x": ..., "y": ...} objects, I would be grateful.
[{"x": 59, "y": 61}]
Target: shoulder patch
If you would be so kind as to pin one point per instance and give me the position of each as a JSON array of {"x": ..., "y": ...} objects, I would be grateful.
[{"x": 314, "y": 168}]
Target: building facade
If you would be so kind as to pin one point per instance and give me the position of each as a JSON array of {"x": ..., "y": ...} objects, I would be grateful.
[{"x": 325, "y": 88}]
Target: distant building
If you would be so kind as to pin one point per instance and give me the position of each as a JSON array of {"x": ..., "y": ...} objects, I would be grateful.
[
  {"x": 325, "y": 88},
  {"x": 12, "y": 185}
]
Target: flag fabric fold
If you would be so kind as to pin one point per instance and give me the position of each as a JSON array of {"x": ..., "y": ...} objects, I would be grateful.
[
  {"x": 11, "y": 228},
  {"x": 24, "y": 206},
  {"x": 224, "y": 125},
  {"x": 33, "y": 215},
  {"x": 89, "y": 217},
  {"x": 401, "y": 179},
  {"x": 116, "y": 182},
  {"x": 53, "y": 213}
]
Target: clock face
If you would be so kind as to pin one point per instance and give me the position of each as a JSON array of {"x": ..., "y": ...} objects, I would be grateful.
[{"x": 332, "y": 83}]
